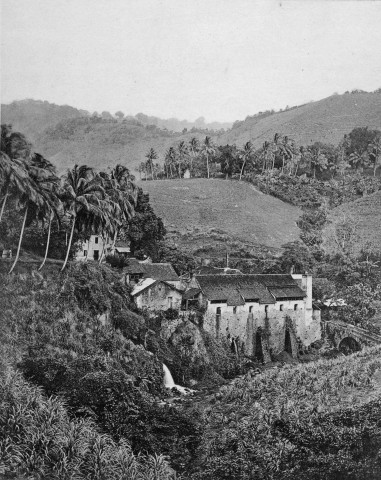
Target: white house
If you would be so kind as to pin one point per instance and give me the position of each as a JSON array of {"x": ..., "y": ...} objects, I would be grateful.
[{"x": 93, "y": 248}]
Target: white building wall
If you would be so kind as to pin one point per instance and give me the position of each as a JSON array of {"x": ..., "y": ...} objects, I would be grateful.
[
  {"x": 95, "y": 243},
  {"x": 244, "y": 322}
]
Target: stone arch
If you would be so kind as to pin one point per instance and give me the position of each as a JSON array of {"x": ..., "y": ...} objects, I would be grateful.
[
  {"x": 287, "y": 342},
  {"x": 258, "y": 352},
  {"x": 349, "y": 345}
]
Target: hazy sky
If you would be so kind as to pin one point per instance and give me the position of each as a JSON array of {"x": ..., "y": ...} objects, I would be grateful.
[{"x": 221, "y": 59}]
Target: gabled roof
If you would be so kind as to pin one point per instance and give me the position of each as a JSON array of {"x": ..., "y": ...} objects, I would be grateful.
[
  {"x": 160, "y": 271},
  {"x": 133, "y": 267},
  {"x": 142, "y": 285},
  {"x": 147, "y": 283},
  {"x": 234, "y": 299},
  {"x": 259, "y": 288}
]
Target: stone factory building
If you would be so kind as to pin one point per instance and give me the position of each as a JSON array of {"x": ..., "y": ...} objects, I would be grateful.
[{"x": 262, "y": 315}]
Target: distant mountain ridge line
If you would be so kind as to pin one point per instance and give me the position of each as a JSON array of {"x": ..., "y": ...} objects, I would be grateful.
[{"x": 58, "y": 133}]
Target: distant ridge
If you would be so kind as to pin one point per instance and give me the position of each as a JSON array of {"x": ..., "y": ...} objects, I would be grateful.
[
  {"x": 67, "y": 135},
  {"x": 326, "y": 121}
]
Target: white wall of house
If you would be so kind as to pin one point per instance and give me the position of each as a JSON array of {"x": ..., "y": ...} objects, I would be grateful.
[
  {"x": 159, "y": 296},
  {"x": 92, "y": 246}
]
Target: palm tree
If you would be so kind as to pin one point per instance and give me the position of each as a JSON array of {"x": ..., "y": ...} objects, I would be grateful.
[
  {"x": 194, "y": 148},
  {"x": 43, "y": 173},
  {"x": 245, "y": 156},
  {"x": 33, "y": 199},
  {"x": 122, "y": 196},
  {"x": 182, "y": 152},
  {"x": 14, "y": 179},
  {"x": 208, "y": 150},
  {"x": 82, "y": 195},
  {"x": 170, "y": 159},
  {"x": 374, "y": 150},
  {"x": 151, "y": 156}
]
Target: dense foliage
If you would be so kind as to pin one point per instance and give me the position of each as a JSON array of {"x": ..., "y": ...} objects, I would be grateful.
[{"x": 310, "y": 421}]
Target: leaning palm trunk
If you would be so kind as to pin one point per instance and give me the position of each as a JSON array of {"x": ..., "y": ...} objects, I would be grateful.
[
  {"x": 114, "y": 240},
  {"x": 241, "y": 172},
  {"x": 20, "y": 240},
  {"x": 69, "y": 245},
  {"x": 3, "y": 205},
  {"x": 47, "y": 243},
  {"x": 105, "y": 242}
]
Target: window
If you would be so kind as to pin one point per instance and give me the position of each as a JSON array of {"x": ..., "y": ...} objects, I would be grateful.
[
  {"x": 281, "y": 307},
  {"x": 170, "y": 302},
  {"x": 251, "y": 309},
  {"x": 234, "y": 309},
  {"x": 266, "y": 308},
  {"x": 85, "y": 253},
  {"x": 96, "y": 254},
  {"x": 295, "y": 306},
  {"x": 96, "y": 239}
]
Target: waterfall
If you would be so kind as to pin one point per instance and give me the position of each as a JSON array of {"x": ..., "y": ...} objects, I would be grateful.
[
  {"x": 169, "y": 382},
  {"x": 168, "y": 379}
]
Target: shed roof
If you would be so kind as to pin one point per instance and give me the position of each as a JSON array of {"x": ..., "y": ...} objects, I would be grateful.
[
  {"x": 191, "y": 293},
  {"x": 261, "y": 288}
]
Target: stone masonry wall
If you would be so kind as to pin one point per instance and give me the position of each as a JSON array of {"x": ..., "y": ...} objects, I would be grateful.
[{"x": 245, "y": 322}]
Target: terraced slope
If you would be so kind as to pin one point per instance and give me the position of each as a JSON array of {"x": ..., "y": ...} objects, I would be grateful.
[
  {"x": 326, "y": 120},
  {"x": 213, "y": 206}
]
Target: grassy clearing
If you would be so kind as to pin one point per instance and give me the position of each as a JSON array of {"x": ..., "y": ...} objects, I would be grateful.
[{"x": 217, "y": 208}]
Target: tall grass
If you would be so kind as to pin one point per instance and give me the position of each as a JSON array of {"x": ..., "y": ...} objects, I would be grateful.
[{"x": 40, "y": 441}]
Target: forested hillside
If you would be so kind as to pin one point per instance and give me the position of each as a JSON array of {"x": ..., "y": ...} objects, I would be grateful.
[{"x": 32, "y": 117}]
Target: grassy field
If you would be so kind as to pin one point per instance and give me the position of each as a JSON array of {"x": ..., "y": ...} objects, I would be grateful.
[
  {"x": 364, "y": 215},
  {"x": 201, "y": 210}
]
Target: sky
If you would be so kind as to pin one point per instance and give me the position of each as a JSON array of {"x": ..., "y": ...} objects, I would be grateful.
[{"x": 220, "y": 59}]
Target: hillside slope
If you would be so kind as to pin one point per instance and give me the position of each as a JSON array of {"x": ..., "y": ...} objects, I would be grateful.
[
  {"x": 201, "y": 210},
  {"x": 101, "y": 143},
  {"x": 326, "y": 120},
  {"x": 32, "y": 117},
  {"x": 355, "y": 224},
  {"x": 68, "y": 136}
]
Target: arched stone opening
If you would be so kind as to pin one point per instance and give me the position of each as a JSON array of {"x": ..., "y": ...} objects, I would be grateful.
[
  {"x": 349, "y": 345},
  {"x": 287, "y": 342},
  {"x": 258, "y": 346}
]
